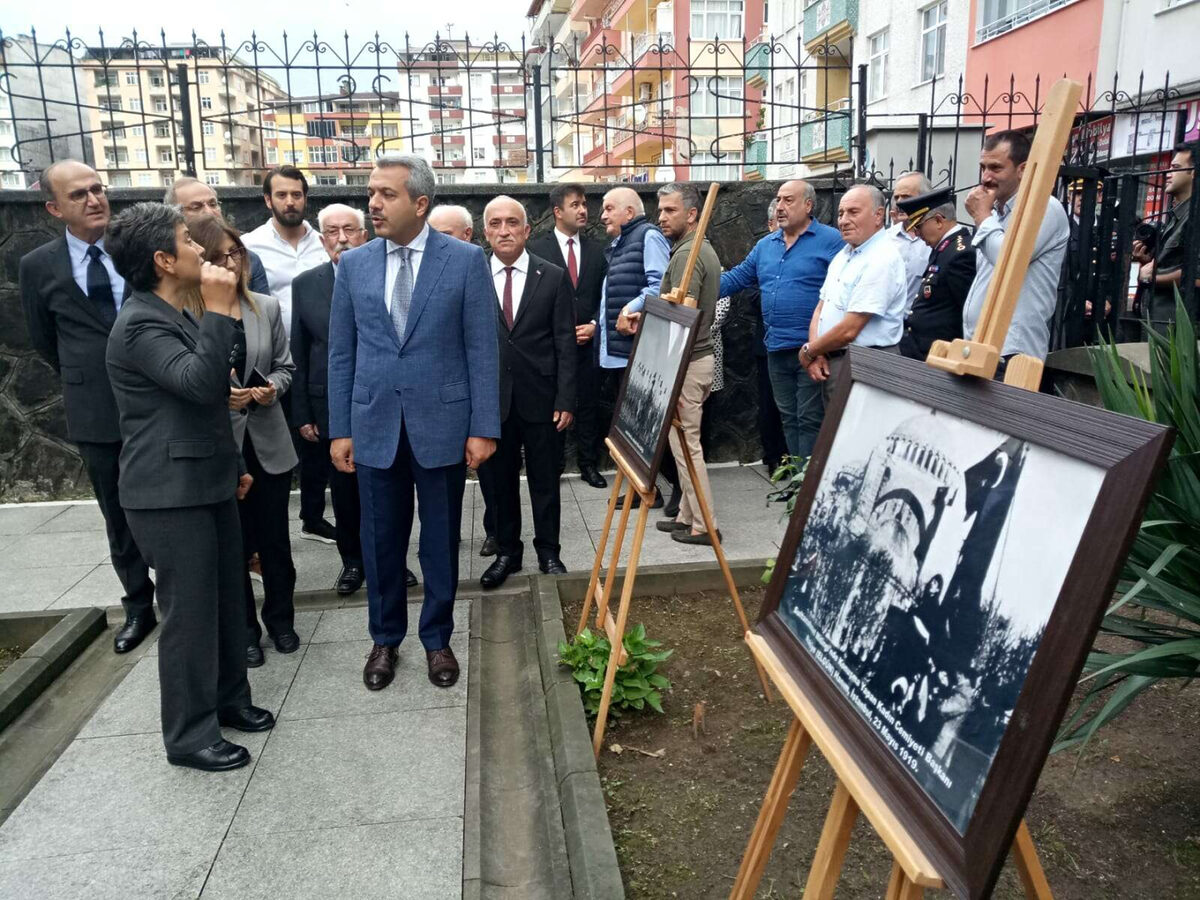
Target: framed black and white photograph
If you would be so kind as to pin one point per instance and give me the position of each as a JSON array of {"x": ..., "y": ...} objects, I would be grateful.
[
  {"x": 950, "y": 555},
  {"x": 653, "y": 380}
]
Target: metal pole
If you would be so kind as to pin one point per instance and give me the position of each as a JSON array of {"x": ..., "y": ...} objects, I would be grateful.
[
  {"x": 537, "y": 123},
  {"x": 922, "y": 142},
  {"x": 862, "y": 121},
  {"x": 185, "y": 110}
]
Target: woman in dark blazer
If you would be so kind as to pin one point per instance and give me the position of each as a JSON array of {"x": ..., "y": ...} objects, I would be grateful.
[
  {"x": 181, "y": 475},
  {"x": 262, "y": 434}
]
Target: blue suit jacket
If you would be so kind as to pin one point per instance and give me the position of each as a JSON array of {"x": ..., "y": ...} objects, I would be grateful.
[{"x": 442, "y": 382}]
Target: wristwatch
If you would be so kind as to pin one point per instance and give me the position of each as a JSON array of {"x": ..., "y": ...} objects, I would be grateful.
[{"x": 805, "y": 358}]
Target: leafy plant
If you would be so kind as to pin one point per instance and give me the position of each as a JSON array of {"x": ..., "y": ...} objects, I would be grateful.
[
  {"x": 788, "y": 478},
  {"x": 638, "y": 683},
  {"x": 1157, "y": 613}
]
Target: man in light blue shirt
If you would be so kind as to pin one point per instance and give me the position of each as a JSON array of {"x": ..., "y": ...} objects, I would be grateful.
[
  {"x": 863, "y": 299},
  {"x": 637, "y": 259}
]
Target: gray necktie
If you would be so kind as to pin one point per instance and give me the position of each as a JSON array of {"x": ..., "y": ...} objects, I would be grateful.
[{"x": 402, "y": 293}]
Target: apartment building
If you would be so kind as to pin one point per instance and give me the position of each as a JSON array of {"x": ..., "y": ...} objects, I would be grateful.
[
  {"x": 651, "y": 90},
  {"x": 135, "y": 108},
  {"x": 333, "y": 138}
]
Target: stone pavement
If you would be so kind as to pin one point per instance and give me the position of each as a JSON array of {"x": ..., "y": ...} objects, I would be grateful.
[
  {"x": 352, "y": 794},
  {"x": 55, "y": 555}
]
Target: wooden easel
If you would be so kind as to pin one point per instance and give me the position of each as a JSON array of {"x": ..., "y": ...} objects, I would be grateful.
[
  {"x": 912, "y": 871},
  {"x": 628, "y": 479}
]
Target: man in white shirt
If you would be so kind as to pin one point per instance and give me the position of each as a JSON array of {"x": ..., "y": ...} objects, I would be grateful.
[
  {"x": 913, "y": 250},
  {"x": 286, "y": 244},
  {"x": 863, "y": 297}
]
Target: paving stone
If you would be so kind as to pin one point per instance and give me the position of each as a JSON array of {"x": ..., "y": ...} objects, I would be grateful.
[
  {"x": 305, "y": 623},
  {"x": 38, "y": 551},
  {"x": 357, "y": 770},
  {"x": 25, "y": 519},
  {"x": 418, "y": 860},
  {"x": 329, "y": 682},
  {"x": 350, "y": 623},
  {"x": 76, "y": 517},
  {"x": 120, "y": 793},
  {"x": 34, "y": 589},
  {"x": 100, "y": 588},
  {"x": 176, "y": 871}
]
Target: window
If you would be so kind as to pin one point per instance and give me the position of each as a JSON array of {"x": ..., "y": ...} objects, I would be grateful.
[
  {"x": 111, "y": 103},
  {"x": 201, "y": 78},
  {"x": 357, "y": 180},
  {"x": 388, "y": 130},
  {"x": 160, "y": 104},
  {"x": 137, "y": 131},
  {"x": 212, "y": 178},
  {"x": 998, "y": 16},
  {"x": 162, "y": 129},
  {"x": 5, "y": 127},
  {"x": 480, "y": 154},
  {"x": 156, "y": 79},
  {"x": 321, "y": 128},
  {"x": 206, "y": 103},
  {"x": 877, "y": 66},
  {"x": 14, "y": 180},
  {"x": 165, "y": 155},
  {"x": 210, "y": 155},
  {"x": 167, "y": 179},
  {"x": 121, "y": 157},
  {"x": 716, "y": 18},
  {"x": 719, "y": 95},
  {"x": 131, "y": 78},
  {"x": 135, "y": 105},
  {"x": 933, "y": 41},
  {"x": 786, "y": 110},
  {"x": 140, "y": 153},
  {"x": 106, "y": 79},
  {"x": 208, "y": 128},
  {"x": 145, "y": 179},
  {"x": 295, "y": 157},
  {"x": 272, "y": 156},
  {"x": 446, "y": 178},
  {"x": 327, "y": 179},
  {"x": 120, "y": 179},
  {"x": 707, "y": 167}
]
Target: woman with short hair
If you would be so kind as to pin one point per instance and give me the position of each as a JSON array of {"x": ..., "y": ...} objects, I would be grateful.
[
  {"x": 258, "y": 379},
  {"x": 181, "y": 475}
]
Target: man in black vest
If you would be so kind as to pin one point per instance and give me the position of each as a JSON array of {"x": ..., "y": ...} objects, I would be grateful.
[
  {"x": 936, "y": 311},
  {"x": 535, "y": 319},
  {"x": 583, "y": 260},
  {"x": 70, "y": 293}
]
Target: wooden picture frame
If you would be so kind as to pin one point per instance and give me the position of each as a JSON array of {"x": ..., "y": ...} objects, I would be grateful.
[
  {"x": 1047, "y": 445},
  {"x": 642, "y": 437}
]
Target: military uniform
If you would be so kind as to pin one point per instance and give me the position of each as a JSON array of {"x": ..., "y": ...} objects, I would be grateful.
[{"x": 937, "y": 313}]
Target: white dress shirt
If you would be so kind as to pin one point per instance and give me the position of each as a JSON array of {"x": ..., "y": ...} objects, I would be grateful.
[
  {"x": 869, "y": 278},
  {"x": 78, "y": 250},
  {"x": 283, "y": 262},
  {"x": 416, "y": 248},
  {"x": 915, "y": 253},
  {"x": 520, "y": 270},
  {"x": 562, "y": 245}
]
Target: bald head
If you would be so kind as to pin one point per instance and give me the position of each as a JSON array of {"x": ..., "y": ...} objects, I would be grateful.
[
  {"x": 621, "y": 206},
  {"x": 78, "y": 197},
  {"x": 860, "y": 214},
  {"x": 452, "y": 220},
  {"x": 506, "y": 228},
  {"x": 794, "y": 206}
]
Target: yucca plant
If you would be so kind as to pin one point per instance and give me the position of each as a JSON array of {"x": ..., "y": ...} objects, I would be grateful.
[{"x": 1157, "y": 612}]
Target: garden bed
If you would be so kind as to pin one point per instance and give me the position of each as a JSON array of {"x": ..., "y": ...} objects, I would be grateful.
[{"x": 1122, "y": 821}]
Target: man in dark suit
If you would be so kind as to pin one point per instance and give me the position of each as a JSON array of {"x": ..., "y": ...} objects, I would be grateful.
[
  {"x": 412, "y": 402},
  {"x": 935, "y": 314},
  {"x": 583, "y": 260},
  {"x": 70, "y": 293},
  {"x": 535, "y": 319}
]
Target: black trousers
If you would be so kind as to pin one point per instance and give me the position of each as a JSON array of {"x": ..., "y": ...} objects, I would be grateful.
[
  {"x": 500, "y": 479},
  {"x": 343, "y": 491},
  {"x": 770, "y": 426},
  {"x": 608, "y": 389},
  {"x": 102, "y": 461},
  {"x": 264, "y": 520},
  {"x": 315, "y": 469},
  {"x": 588, "y": 433},
  {"x": 196, "y": 552}
]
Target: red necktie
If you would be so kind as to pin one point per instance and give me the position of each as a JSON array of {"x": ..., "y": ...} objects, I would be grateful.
[
  {"x": 572, "y": 267},
  {"x": 508, "y": 310}
]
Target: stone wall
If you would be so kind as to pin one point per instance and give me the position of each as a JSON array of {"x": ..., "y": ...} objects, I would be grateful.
[{"x": 37, "y": 462}]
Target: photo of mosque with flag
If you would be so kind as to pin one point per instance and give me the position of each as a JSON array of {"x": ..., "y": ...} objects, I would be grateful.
[{"x": 926, "y": 573}]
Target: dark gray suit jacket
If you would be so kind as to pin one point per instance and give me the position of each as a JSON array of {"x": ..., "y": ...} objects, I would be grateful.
[
  {"x": 312, "y": 297},
  {"x": 66, "y": 329},
  {"x": 170, "y": 377}
]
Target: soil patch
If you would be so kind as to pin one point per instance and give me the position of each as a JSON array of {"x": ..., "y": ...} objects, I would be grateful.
[
  {"x": 8, "y": 656},
  {"x": 1120, "y": 821}
]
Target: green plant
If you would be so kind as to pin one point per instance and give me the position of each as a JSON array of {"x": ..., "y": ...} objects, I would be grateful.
[
  {"x": 787, "y": 478},
  {"x": 638, "y": 683},
  {"x": 1157, "y": 613}
]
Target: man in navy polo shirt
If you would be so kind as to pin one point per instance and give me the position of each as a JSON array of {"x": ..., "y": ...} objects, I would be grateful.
[{"x": 788, "y": 266}]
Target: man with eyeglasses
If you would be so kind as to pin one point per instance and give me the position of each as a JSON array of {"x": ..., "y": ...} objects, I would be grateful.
[
  {"x": 70, "y": 294},
  {"x": 195, "y": 198}
]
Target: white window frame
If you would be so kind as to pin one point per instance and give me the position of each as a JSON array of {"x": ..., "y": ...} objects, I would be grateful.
[
  {"x": 206, "y": 103},
  {"x": 208, "y": 128},
  {"x": 935, "y": 32},
  {"x": 131, "y": 77},
  {"x": 145, "y": 179},
  {"x": 988, "y": 28},
  {"x": 718, "y": 96},
  {"x": 728, "y": 169},
  {"x": 165, "y": 155},
  {"x": 711, "y": 19},
  {"x": 157, "y": 80},
  {"x": 878, "y": 49},
  {"x": 212, "y": 178},
  {"x": 201, "y": 77},
  {"x": 273, "y": 155},
  {"x": 161, "y": 105},
  {"x": 140, "y": 153}
]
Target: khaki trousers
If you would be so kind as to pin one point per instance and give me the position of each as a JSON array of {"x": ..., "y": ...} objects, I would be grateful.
[{"x": 697, "y": 385}]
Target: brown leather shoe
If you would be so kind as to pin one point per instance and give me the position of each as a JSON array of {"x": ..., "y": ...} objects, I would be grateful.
[
  {"x": 443, "y": 667},
  {"x": 380, "y": 668}
]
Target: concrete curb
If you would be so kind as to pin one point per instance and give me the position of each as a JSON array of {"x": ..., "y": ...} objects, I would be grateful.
[{"x": 70, "y": 632}]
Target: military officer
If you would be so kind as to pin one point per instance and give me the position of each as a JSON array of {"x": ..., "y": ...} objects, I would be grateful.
[{"x": 937, "y": 311}]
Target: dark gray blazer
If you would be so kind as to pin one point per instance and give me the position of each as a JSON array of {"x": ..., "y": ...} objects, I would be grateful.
[
  {"x": 170, "y": 377},
  {"x": 312, "y": 296},
  {"x": 267, "y": 348},
  {"x": 67, "y": 330}
]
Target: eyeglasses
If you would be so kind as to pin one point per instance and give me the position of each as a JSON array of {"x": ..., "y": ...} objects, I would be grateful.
[
  {"x": 333, "y": 231},
  {"x": 81, "y": 195},
  {"x": 198, "y": 205},
  {"x": 234, "y": 255}
]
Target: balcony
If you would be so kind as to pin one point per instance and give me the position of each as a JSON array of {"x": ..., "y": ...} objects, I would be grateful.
[
  {"x": 586, "y": 9},
  {"x": 659, "y": 43},
  {"x": 756, "y": 159},
  {"x": 830, "y": 20},
  {"x": 825, "y": 139},
  {"x": 601, "y": 44}
]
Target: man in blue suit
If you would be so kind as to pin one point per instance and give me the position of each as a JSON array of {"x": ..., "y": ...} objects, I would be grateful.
[{"x": 414, "y": 399}]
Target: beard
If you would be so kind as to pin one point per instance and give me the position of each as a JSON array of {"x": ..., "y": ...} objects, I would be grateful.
[{"x": 289, "y": 219}]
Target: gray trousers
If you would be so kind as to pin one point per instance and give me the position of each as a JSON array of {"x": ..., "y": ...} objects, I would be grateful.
[{"x": 196, "y": 554}]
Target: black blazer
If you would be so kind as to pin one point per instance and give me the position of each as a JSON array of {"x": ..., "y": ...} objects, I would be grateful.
[
  {"x": 537, "y": 357},
  {"x": 593, "y": 266},
  {"x": 312, "y": 297},
  {"x": 67, "y": 330},
  {"x": 170, "y": 377}
]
